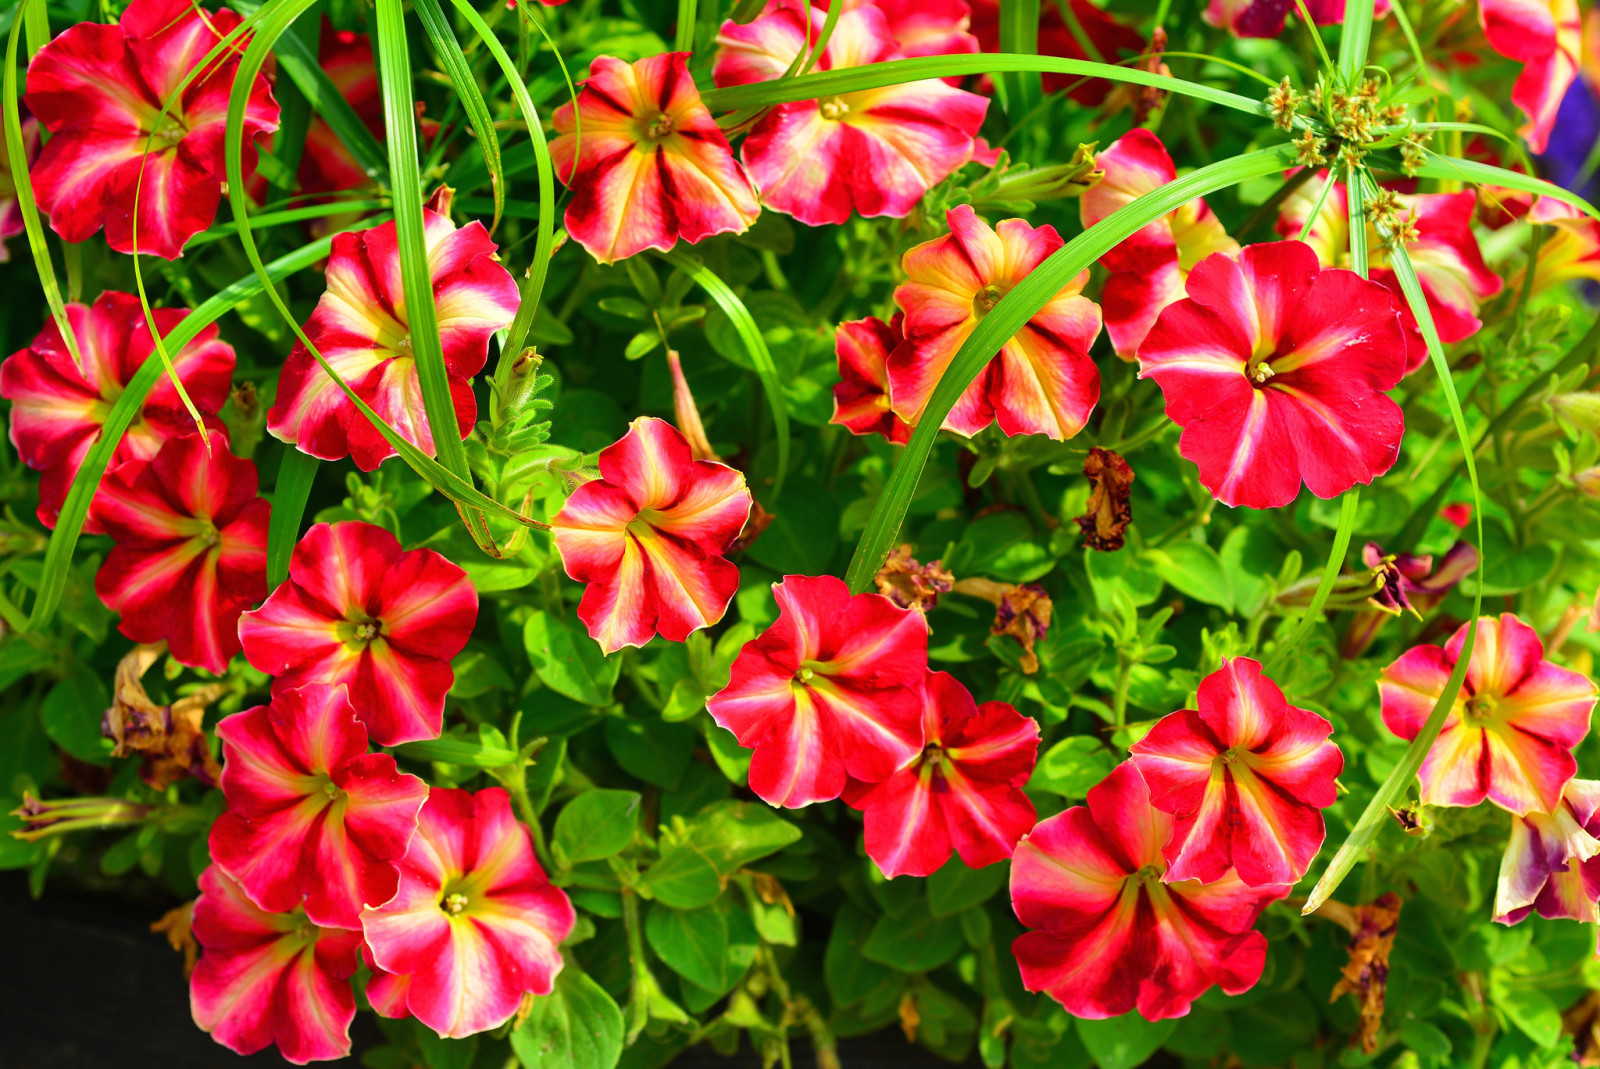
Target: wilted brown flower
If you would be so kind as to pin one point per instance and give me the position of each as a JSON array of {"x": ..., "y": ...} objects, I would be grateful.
[
  {"x": 1142, "y": 98},
  {"x": 912, "y": 585},
  {"x": 174, "y": 924},
  {"x": 1366, "y": 975},
  {"x": 1582, "y": 1023},
  {"x": 1105, "y": 524},
  {"x": 759, "y": 520},
  {"x": 1021, "y": 610},
  {"x": 170, "y": 737}
]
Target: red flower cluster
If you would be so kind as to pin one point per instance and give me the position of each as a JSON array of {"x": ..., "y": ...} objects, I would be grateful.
[{"x": 1146, "y": 897}]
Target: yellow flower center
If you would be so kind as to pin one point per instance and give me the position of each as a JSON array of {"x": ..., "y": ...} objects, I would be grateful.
[
  {"x": 661, "y": 126},
  {"x": 1481, "y": 708},
  {"x": 833, "y": 108},
  {"x": 454, "y": 904},
  {"x": 984, "y": 300}
]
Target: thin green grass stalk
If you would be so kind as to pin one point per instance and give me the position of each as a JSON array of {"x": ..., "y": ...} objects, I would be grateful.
[{"x": 448, "y": 51}]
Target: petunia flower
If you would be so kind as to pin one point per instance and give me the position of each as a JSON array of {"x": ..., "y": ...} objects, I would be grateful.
[
  {"x": 1417, "y": 586},
  {"x": 1112, "y": 935},
  {"x": 326, "y": 165},
  {"x": 1552, "y": 860},
  {"x": 11, "y": 223},
  {"x": 829, "y": 692},
  {"x": 1546, "y": 36},
  {"x": 1042, "y": 380},
  {"x": 1446, "y": 256},
  {"x": 475, "y": 924},
  {"x": 191, "y": 548},
  {"x": 925, "y": 27},
  {"x": 1264, "y": 18},
  {"x": 1276, "y": 369},
  {"x": 962, "y": 793},
  {"x": 649, "y": 538},
  {"x": 1148, "y": 268},
  {"x": 646, "y": 162},
  {"x": 99, "y": 90},
  {"x": 1109, "y": 41},
  {"x": 874, "y": 151},
  {"x": 358, "y": 610},
  {"x": 1510, "y": 734},
  {"x": 861, "y": 397},
  {"x": 1246, "y": 776},
  {"x": 1570, "y": 250},
  {"x": 361, "y": 328},
  {"x": 57, "y": 410},
  {"x": 312, "y": 818},
  {"x": 266, "y": 978}
]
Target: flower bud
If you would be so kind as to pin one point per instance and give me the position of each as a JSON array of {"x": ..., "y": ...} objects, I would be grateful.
[{"x": 1580, "y": 410}]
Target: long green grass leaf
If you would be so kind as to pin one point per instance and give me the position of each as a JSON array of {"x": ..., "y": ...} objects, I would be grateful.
[
  {"x": 1009, "y": 315},
  {"x": 448, "y": 50},
  {"x": 755, "y": 347},
  {"x": 1460, "y": 170},
  {"x": 1348, "y": 506},
  {"x": 894, "y": 72},
  {"x": 296, "y": 473},
  {"x": 27, "y": 204},
  {"x": 1355, "y": 38},
  {"x": 1373, "y": 818},
  {"x": 1019, "y": 33}
]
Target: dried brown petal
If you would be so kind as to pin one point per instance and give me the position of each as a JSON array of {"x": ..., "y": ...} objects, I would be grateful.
[
  {"x": 759, "y": 520},
  {"x": 170, "y": 737},
  {"x": 174, "y": 924},
  {"x": 910, "y": 584},
  {"x": 1366, "y": 975},
  {"x": 1105, "y": 524},
  {"x": 1582, "y": 1023}
]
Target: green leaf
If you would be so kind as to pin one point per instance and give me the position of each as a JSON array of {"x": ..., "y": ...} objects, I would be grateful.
[
  {"x": 734, "y": 834},
  {"x": 296, "y": 473},
  {"x": 1330, "y": 571},
  {"x": 1353, "y": 42},
  {"x": 849, "y": 976},
  {"x": 683, "y": 878},
  {"x": 72, "y": 712},
  {"x": 1533, "y": 1012},
  {"x": 755, "y": 348},
  {"x": 916, "y": 941},
  {"x": 953, "y": 887},
  {"x": 458, "y": 750},
  {"x": 1015, "y": 309},
  {"x": 597, "y": 824},
  {"x": 1194, "y": 568},
  {"x": 1072, "y": 766},
  {"x": 568, "y": 661},
  {"x": 654, "y": 751},
  {"x": 1123, "y": 1042},
  {"x": 445, "y": 1053},
  {"x": 576, "y": 1026},
  {"x": 693, "y": 943}
]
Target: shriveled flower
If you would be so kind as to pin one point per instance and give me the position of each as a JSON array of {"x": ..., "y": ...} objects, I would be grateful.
[
  {"x": 475, "y": 924},
  {"x": 1105, "y": 522},
  {"x": 861, "y": 398},
  {"x": 911, "y": 584},
  {"x": 313, "y": 819},
  {"x": 1510, "y": 734},
  {"x": 1109, "y": 41},
  {"x": 1418, "y": 586},
  {"x": 1042, "y": 380},
  {"x": 961, "y": 794},
  {"x": 1546, "y": 36},
  {"x": 11, "y": 223},
  {"x": 1113, "y": 936},
  {"x": 358, "y": 610},
  {"x": 99, "y": 90},
  {"x": 1365, "y": 975},
  {"x": 648, "y": 537},
  {"x": 361, "y": 328},
  {"x": 874, "y": 151},
  {"x": 646, "y": 162},
  {"x": 1276, "y": 369},
  {"x": 266, "y": 978},
  {"x": 1247, "y": 776},
  {"x": 191, "y": 548},
  {"x": 1446, "y": 255},
  {"x": 830, "y": 691},
  {"x": 1149, "y": 267},
  {"x": 1021, "y": 610},
  {"x": 57, "y": 410},
  {"x": 1552, "y": 860},
  {"x": 170, "y": 739}
]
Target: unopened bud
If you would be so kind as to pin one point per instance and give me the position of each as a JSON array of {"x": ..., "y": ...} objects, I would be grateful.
[
  {"x": 519, "y": 384},
  {"x": 1580, "y": 410},
  {"x": 1588, "y": 482}
]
